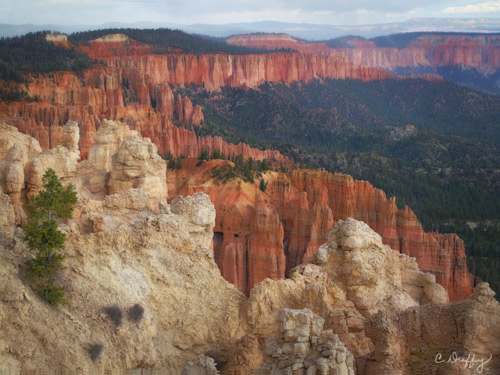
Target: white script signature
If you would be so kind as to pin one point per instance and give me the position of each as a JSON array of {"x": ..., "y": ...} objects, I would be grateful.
[{"x": 469, "y": 362}]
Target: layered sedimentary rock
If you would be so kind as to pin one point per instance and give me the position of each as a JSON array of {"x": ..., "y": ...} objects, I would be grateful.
[
  {"x": 186, "y": 112},
  {"x": 477, "y": 51},
  {"x": 99, "y": 94},
  {"x": 134, "y": 88},
  {"x": 481, "y": 52},
  {"x": 218, "y": 70},
  {"x": 265, "y": 234},
  {"x": 357, "y": 305}
]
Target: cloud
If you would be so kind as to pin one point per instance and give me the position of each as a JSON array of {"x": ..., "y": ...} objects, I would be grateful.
[
  {"x": 216, "y": 11},
  {"x": 486, "y": 7}
]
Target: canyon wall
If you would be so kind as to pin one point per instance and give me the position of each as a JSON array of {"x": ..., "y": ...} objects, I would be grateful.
[
  {"x": 216, "y": 70},
  {"x": 481, "y": 52},
  {"x": 99, "y": 94},
  {"x": 265, "y": 234},
  {"x": 135, "y": 87}
]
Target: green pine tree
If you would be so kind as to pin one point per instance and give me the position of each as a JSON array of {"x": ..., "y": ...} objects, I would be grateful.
[
  {"x": 44, "y": 239},
  {"x": 178, "y": 164},
  {"x": 171, "y": 164},
  {"x": 263, "y": 185}
]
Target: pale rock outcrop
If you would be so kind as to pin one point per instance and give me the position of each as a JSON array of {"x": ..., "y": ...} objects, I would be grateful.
[
  {"x": 198, "y": 210},
  {"x": 15, "y": 151},
  {"x": 201, "y": 365},
  {"x": 138, "y": 165},
  {"x": 107, "y": 141},
  {"x": 7, "y": 213},
  {"x": 95, "y": 171},
  {"x": 245, "y": 357},
  {"x": 374, "y": 275},
  {"x": 14, "y": 172},
  {"x": 70, "y": 137},
  {"x": 10, "y": 136},
  {"x": 159, "y": 261},
  {"x": 305, "y": 348},
  {"x": 438, "y": 338},
  {"x": 357, "y": 272},
  {"x": 61, "y": 160}
]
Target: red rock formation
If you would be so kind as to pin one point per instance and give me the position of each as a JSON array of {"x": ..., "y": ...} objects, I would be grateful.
[
  {"x": 99, "y": 94},
  {"x": 217, "y": 70},
  {"x": 135, "y": 88},
  {"x": 186, "y": 113},
  {"x": 470, "y": 51},
  {"x": 261, "y": 235}
]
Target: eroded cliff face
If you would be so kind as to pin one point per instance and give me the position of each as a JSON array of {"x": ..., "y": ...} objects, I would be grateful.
[
  {"x": 125, "y": 95},
  {"x": 265, "y": 234},
  {"x": 135, "y": 86},
  {"x": 359, "y": 307},
  {"x": 480, "y": 52}
]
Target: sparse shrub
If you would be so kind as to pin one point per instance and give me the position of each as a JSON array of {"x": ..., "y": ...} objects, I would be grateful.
[
  {"x": 114, "y": 314},
  {"x": 95, "y": 351},
  {"x": 135, "y": 313}
]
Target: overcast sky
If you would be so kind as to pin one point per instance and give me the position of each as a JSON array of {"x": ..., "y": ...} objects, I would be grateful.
[{"x": 335, "y": 12}]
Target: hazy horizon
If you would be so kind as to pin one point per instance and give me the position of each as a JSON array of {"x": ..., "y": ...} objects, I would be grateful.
[{"x": 217, "y": 12}]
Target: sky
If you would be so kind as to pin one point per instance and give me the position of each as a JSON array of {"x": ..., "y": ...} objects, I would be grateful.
[{"x": 333, "y": 12}]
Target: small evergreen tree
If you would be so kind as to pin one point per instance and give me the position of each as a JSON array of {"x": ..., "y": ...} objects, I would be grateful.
[
  {"x": 264, "y": 166},
  {"x": 263, "y": 185},
  {"x": 171, "y": 164},
  {"x": 216, "y": 154},
  {"x": 178, "y": 165},
  {"x": 204, "y": 155},
  {"x": 43, "y": 237},
  {"x": 169, "y": 155}
]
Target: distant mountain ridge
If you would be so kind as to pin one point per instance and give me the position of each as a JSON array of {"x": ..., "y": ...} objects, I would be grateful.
[{"x": 299, "y": 30}]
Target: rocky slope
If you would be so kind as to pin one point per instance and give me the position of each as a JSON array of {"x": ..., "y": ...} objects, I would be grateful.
[
  {"x": 265, "y": 234},
  {"x": 357, "y": 308}
]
